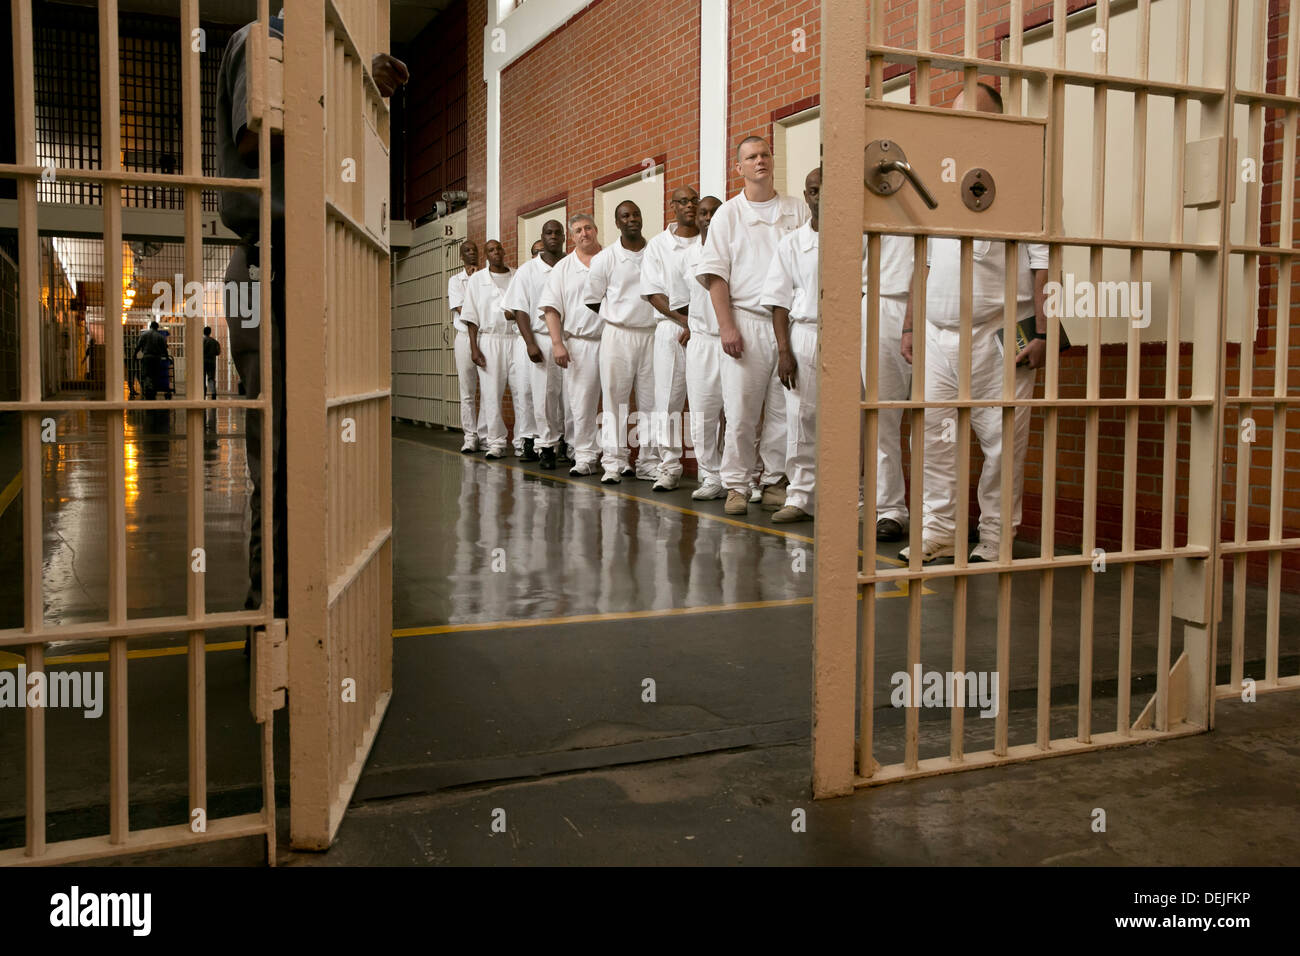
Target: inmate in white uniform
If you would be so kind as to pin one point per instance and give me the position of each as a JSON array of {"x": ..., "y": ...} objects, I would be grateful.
[
  {"x": 661, "y": 275},
  {"x": 742, "y": 240},
  {"x": 792, "y": 284},
  {"x": 943, "y": 320},
  {"x": 471, "y": 422},
  {"x": 484, "y": 293},
  {"x": 543, "y": 377},
  {"x": 626, "y": 354},
  {"x": 563, "y": 292},
  {"x": 703, "y": 358},
  {"x": 895, "y": 374}
]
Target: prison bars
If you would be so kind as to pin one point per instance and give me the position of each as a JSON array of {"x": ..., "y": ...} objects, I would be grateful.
[{"x": 119, "y": 628}]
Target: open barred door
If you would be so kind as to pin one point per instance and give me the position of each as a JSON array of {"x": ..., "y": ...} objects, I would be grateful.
[{"x": 338, "y": 404}]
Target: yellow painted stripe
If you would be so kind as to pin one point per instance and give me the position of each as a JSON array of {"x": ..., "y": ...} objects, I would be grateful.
[
  {"x": 11, "y": 661},
  {"x": 11, "y": 492},
  {"x": 594, "y": 618}
]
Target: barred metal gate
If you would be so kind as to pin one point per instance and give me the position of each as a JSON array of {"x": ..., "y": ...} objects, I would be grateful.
[
  {"x": 1181, "y": 420},
  {"x": 39, "y": 427},
  {"x": 339, "y": 401}
]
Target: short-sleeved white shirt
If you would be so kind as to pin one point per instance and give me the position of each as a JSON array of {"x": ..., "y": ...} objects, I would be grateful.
[
  {"x": 895, "y": 265},
  {"x": 615, "y": 282},
  {"x": 484, "y": 293},
  {"x": 742, "y": 239},
  {"x": 943, "y": 287},
  {"x": 700, "y": 316},
  {"x": 792, "y": 282},
  {"x": 525, "y": 289},
  {"x": 456, "y": 298},
  {"x": 661, "y": 272},
  {"x": 563, "y": 292}
]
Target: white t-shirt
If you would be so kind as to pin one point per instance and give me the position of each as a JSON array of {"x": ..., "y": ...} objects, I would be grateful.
[
  {"x": 692, "y": 296},
  {"x": 524, "y": 291},
  {"x": 456, "y": 298},
  {"x": 792, "y": 281},
  {"x": 615, "y": 282},
  {"x": 943, "y": 288},
  {"x": 483, "y": 295},
  {"x": 661, "y": 272},
  {"x": 895, "y": 265},
  {"x": 563, "y": 292},
  {"x": 741, "y": 243}
]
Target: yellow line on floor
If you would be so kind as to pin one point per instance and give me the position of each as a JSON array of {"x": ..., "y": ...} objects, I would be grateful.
[
  {"x": 593, "y": 618},
  {"x": 11, "y": 661},
  {"x": 11, "y": 492}
]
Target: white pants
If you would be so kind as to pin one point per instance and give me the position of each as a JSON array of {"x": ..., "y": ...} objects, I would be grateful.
[
  {"x": 941, "y": 371},
  {"x": 568, "y": 409},
  {"x": 626, "y": 365},
  {"x": 497, "y": 347},
  {"x": 471, "y": 423},
  {"x": 894, "y": 384},
  {"x": 521, "y": 391},
  {"x": 582, "y": 389},
  {"x": 670, "y": 397},
  {"x": 750, "y": 390},
  {"x": 704, "y": 392},
  {"x": 548, "y": 413},
  {"x": 801, "y": 418}
]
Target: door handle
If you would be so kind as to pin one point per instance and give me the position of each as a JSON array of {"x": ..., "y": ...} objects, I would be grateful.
[{"x": 886, "y": 168}]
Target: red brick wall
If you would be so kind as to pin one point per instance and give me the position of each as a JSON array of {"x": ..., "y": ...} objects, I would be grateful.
[
  {"x": 565, "y": 125},
  {"x": 434, "y": 111},
  {"x": 476, "y": 165}
]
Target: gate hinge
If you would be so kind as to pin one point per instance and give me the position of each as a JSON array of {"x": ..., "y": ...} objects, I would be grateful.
[{"x": 270, "y": 670}]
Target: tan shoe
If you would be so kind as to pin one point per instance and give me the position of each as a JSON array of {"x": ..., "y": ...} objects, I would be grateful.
[
  {"x": 790, "y": 513},
  {"x": 774, "y": 495},
  {"x": 737, "y": 503}
]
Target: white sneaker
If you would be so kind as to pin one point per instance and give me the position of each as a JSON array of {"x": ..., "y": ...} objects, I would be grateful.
[
  {"x": 709, "y": 491},
  {"x": 666, "y": 483},
  {"x": 930, "y": 551},
  {"x": 610, "y": 478},
  {"x": 470, "y": 445},
  {"x": 583, "y": 469},
  {"x": 755, "y": 494},
  {"x": 985, "y": 551}
]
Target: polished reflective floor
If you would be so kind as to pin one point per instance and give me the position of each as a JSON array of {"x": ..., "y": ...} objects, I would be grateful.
[{"x": 531, "y": 609}]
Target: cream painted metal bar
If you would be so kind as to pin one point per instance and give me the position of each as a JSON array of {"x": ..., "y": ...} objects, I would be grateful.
[
  {"x": 1278, "y": 403},
  {"x": 115, "y": 472},
  {"x": 835, "y": 612},
  {"x": 1180, "y": 704},
  {"x": 340, "y": 580},
  {"x": 118, "y": 628}
]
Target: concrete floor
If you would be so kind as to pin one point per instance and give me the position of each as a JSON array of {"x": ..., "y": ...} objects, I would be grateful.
[{"x": 518, "y": 676}]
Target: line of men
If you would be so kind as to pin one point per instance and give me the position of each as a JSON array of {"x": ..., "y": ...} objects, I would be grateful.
[{"x": 721, "y": 310}]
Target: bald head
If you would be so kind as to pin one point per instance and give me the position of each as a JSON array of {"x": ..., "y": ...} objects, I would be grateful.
[{"x": 987, "y": 99}]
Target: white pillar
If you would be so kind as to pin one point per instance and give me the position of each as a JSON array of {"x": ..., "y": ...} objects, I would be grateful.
[{"x": 713, "y": 98}]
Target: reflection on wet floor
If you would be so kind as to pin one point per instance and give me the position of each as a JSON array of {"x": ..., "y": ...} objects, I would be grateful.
[
  {"x": 524, "y": 547},
  {"x": 75, "y": 516}
]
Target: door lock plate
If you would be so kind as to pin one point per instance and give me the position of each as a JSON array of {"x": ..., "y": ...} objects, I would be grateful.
[{"x": 978, "y": 190}]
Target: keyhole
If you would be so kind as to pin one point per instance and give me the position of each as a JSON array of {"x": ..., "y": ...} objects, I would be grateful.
[{"x": 978, "y": 190}]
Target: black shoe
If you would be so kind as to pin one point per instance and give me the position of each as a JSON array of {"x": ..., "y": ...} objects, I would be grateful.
[
  {"x": 529, "y": 454},
  {"x": 548, "y": 459},
  {"x": 887, "y": 529}
]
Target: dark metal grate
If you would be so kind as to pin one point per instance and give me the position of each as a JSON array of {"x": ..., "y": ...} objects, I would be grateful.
[{"x": 67, "y": 101}]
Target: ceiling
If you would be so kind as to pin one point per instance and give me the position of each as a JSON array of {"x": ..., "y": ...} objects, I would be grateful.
[{"x": 408, "y": 17}]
